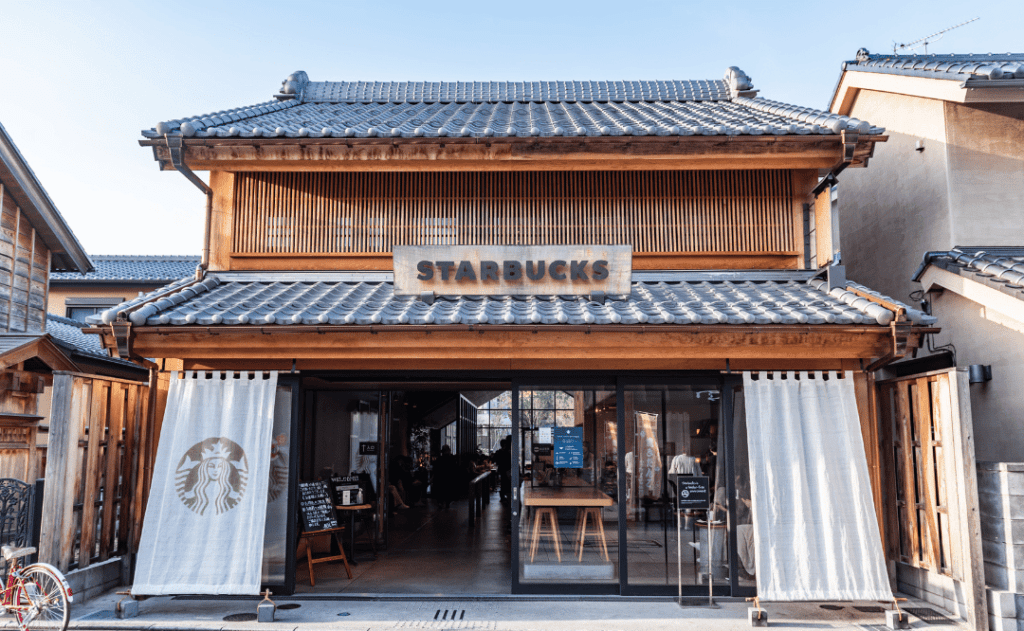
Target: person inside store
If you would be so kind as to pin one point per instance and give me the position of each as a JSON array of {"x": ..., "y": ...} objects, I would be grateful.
[
  {"x": 503, "y": 460},
  {"x": 445, "y": 477}
]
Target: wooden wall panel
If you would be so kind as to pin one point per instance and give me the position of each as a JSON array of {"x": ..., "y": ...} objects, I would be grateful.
[
  {"x": 654, "y": 211},
  {"x": 24, "y": 271}
]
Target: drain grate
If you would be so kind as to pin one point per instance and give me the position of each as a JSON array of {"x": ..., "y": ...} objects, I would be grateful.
[
  {"x": 928, "y": 615},
  {"x": 240, "y": 617},
  {"x": 450, "y": 614},
  {"x": 289, "y": 606},
  {"x": 870, "y": 609},
  {"x": 832, "y": 607}
]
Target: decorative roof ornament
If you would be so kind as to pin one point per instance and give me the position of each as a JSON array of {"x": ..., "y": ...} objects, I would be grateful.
[
  {"x": 294, "y": 85},
  {"x": 740, "y": 84}
]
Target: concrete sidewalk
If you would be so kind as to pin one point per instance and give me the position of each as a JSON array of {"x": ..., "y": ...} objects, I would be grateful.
[{"x": 514, "y": 613}]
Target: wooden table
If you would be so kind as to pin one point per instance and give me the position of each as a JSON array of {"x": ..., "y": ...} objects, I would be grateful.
[
  {"x": 352, "y": 508},
  {"x": 588, "y": 501}
]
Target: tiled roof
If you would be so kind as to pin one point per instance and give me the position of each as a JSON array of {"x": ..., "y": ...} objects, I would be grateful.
[
  {"x": 668, "y": 298},
  {"x": 68, "y": 333},
  {"x": 508, "y": 109},
  {"x": 973, "y": 68},
  {"x": 513, "y": 91},
  {"x": 999, "y": 267},
  {"x": 132, "y": 269}
]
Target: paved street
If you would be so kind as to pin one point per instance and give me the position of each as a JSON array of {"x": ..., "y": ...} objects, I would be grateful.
[{"x": 508, "y": 613}]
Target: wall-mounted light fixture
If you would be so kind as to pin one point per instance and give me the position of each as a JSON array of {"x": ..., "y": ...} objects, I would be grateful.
[
  {"x": 919, "y": 147},
  {"x": 979, "y": 373}
]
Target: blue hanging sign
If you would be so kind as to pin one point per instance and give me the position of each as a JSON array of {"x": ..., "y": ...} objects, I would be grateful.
[{"x": 568, "y": 447}]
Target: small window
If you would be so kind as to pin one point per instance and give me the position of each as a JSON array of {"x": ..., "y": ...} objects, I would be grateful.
[{"x": 81, "y": 308}]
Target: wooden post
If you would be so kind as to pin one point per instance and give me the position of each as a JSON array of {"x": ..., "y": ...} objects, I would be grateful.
[
  {"x": 961, "y": 443},
  {"x": 97, "y": 422},
  {"x": 57, "y": 530}
]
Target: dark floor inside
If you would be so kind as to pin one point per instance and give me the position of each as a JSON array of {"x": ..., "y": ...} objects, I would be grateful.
[{"x": 431, "y": 551}]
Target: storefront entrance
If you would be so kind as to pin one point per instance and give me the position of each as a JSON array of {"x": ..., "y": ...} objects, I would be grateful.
[{"x": 527, "y": 483}]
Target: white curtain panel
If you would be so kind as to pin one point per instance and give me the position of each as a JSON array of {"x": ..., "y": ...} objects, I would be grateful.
[
  {"x": 815, "y": 533},
  {"x": 207, "y": 510}
]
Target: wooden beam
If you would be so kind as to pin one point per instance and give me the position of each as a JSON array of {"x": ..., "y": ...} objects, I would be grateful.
[
  {"x": 527, "y": 344},
  {"x": 383, "y": 261},
  {"x": 377, "y": 154}
]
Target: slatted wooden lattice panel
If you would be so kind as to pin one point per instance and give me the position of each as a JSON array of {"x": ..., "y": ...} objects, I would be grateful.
[
  {"x": 654, "y": 211},
  {"x": 94, "y": 475},
  {"x": 912, "y": 426}
]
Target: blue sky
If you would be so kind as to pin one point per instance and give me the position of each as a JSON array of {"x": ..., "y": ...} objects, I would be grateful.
[{"x": 80, "y": 79}]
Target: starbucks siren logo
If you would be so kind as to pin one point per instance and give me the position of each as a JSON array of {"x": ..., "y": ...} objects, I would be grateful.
[{"x": 213, "y": 472}]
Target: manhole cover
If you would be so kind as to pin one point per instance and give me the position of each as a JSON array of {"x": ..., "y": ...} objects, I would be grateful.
[
  {"x": 870, "y": 609},
  {"x": 832, "y": 607},
  {"x": 344, "y": 613},
  {"x": 240, "y": 617},
  {"x": 928, "y": 616},
  {"x": 289, "y": 606}
]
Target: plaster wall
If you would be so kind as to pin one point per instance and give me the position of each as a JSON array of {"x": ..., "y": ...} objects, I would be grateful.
[
  {"x": 58, "y": 295},
  {"x": 897, "y": 208},
  {"x": 985, "y": 148},
  {"x": 984, "y": 336}
]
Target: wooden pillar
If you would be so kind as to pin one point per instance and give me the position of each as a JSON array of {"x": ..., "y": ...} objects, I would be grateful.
[
  {"x": 867, "y": 410},
  {"x": 57, "y": 531},
  {"x": 962, "y": 498}
]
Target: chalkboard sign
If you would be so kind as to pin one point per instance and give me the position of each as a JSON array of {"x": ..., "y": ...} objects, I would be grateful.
[
  {"x": 316, "y": 506},
  {"x": 694, "y": 492},
  {"x": 568, "y": 447}
]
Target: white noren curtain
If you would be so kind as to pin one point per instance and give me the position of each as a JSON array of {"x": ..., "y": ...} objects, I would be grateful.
[
  {"x": 207, "y": 509},
  {"x": 815, "y": 532}
]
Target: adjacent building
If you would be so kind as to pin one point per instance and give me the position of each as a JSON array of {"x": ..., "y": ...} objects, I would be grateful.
[
  {"x": 938, "y": 220},
  {"x": 113, "y": 280}
]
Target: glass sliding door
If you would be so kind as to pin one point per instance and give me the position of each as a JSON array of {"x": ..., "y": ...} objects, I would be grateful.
[
  {"x": 675, "y": 430},
  {"x": 568, "y": 495}
]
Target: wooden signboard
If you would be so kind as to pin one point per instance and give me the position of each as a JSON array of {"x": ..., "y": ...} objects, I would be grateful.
[
  {"x": 512, "y": 270},
  {"x": 316, "y": 507}
]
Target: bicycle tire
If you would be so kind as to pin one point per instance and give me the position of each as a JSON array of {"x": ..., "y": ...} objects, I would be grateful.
[{"x": 40, "y": 600}]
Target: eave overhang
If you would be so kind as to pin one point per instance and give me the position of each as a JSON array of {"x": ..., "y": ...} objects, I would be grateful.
[
  {"x": 955, "y": 89},
  {"x": 593, "y": 347},
  {"x": 521, "y": 154}
]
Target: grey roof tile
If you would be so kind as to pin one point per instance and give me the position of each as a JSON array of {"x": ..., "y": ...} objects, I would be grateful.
[
  {"x": 139, "y": 269},
  {"x": 510, "y": 109},
  {"x": 233, "y": 299},
  {"x": 999, "y": 267},
  {"x": 962, "y": 67},
  {"x": 68, "y": 333}
]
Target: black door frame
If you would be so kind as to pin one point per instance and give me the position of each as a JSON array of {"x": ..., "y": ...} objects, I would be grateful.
[{"x": 726, "y": 382}]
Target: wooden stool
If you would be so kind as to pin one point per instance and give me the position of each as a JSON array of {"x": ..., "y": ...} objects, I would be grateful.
[
  {"x": 594, "y": 514},
  {"x": 307, "y": 537},
  {"x": 538, "y": 527}
]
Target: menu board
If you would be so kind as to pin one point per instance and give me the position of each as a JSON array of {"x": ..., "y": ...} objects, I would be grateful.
[
  {"x": 568, "y": 447},
  {"x": 346, "y": 489},
  {"x": 316, "y": 506}
]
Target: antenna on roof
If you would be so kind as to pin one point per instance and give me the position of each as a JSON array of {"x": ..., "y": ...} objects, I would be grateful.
[{"x": 924, "y": 41}]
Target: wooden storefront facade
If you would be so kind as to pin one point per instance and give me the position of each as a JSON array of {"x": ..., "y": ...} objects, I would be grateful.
[{"x": 314, "y": 216}]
